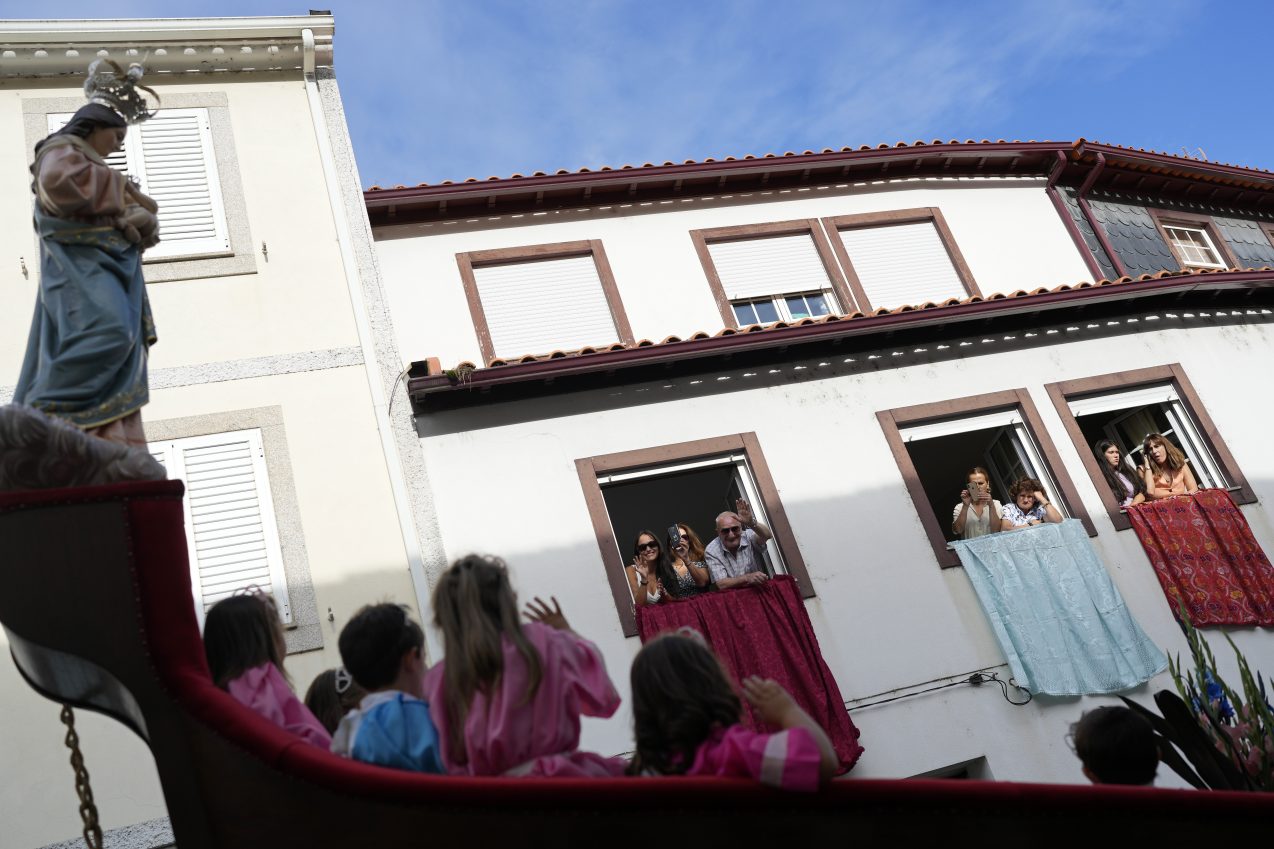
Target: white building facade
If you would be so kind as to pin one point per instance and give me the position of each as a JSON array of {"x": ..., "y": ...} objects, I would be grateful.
[
  {"x": 266, "y": 393},
  {"x": 891, "y": 318}
]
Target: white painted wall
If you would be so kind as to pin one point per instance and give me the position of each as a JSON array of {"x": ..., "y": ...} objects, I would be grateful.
[
  {"x": 297, "y": 302},
  {"x": 1007, "y": 230},
  {"x": 886, "y": 615}
]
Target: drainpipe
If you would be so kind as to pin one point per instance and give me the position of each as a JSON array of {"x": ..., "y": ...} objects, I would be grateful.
[
  {"x": 380, "y": 407},
  {"x": 1120, "y": 271},
  {"x": 1050, "y": 188}
]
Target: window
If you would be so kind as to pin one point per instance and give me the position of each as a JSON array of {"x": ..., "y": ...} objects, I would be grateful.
[
  {"x": 171, "y": 158},
  {"x": 1194, "y": 240},
  {"x": 536, "y": 300},
  {"x": 230, "y": 523},
  {"x": 763, "y": 273},
  {"x": 935, "y": 445},
  {"x": 1125, "y": 407},
  {"x": 784, "y": 308},
  {"x": 907, "y": 256},
  {"x": 690, "y": 482}
]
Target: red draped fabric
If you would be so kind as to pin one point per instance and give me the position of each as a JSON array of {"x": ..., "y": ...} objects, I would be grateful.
[
  {"x": 764, "y": 631},
  {"x": 1205, "y": 555}
]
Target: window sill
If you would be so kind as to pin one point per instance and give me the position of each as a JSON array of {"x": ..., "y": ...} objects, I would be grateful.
[{"x": 170, "y": 269}]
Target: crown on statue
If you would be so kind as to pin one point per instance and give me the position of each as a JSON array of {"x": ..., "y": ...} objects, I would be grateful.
[{"x": 111, "y": 86}]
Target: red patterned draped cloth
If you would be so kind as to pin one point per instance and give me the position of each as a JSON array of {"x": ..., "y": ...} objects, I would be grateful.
[
  {"x": 764, "y": 631},
  {"x": 1205, "y": 556}
]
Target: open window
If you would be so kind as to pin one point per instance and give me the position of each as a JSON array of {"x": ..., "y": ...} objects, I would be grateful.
[
  {"x": 935, "y": 446},
  {"x": 692, "y": 483},
  {"x": 1126, "y": 407}
]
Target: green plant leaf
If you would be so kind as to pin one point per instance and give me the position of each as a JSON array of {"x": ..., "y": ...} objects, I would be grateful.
[{"x": 1213, "y": 767}]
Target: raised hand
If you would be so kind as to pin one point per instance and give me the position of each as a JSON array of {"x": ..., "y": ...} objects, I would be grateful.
[
  {"x": 771, "y": 701},
  {"x": 537, "y": 610},
  {"x": 744, "y": 510},
  {"x": 966, "y": 497}
]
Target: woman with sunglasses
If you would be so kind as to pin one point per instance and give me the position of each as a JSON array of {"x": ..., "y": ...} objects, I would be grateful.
[
  {"x": 689, "y": 572},
  {"x": 650, "y": 564}
]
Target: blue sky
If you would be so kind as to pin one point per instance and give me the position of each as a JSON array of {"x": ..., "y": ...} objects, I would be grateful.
[{"x": 448, "y": 90}]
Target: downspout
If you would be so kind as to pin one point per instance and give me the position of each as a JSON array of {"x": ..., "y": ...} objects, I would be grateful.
[
  {"x": 380, "y": 407},
  {"x": 1092, "y": 220},
  {"x": 1050, "y": 188}
]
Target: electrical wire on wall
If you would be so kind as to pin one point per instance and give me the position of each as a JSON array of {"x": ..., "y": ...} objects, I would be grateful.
[{"x": 976, "y": 679}]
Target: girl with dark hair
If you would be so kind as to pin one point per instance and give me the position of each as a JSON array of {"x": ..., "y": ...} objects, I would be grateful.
[
  {"x": 507, "y": 697},
  {"x": 977, "y": 514},
  {"x": 1127, "y": 488},
  {"x": 332, "y": 694},
  {"x": 243, "y": 640},
  {"x": 1167, "y": 469},
  {"x": 650, "y": 573},
  {"x": 1029, "y": 506},
  {"x": 86, "y": 352},
  {"x": 686, "y": 721}
]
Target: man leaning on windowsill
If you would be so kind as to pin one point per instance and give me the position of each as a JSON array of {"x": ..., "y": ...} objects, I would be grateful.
[{"x": 736, "y": 558}]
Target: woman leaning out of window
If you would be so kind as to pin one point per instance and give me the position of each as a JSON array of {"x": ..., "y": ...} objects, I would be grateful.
[
  {"x": 645, "y": 570},
  {"x": 1167, "y": 470},
  {"x": 977, "y": 514},
  {"x": 1129, "y": 488},
  {"x": 688, "y": 569},
  {"x": 1030, "y": 506}
]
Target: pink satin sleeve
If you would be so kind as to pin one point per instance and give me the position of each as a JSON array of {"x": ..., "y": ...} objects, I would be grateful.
[{"x": 71, "y": 185}]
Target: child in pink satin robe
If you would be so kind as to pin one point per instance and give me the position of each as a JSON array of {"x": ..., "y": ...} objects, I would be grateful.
[
  {"x": 243, "y": 639},
  {"x": 520, "y": 715},
  {"x": 686, "y": 721}
]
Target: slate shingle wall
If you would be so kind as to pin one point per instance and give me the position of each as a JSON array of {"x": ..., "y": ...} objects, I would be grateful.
[
  {"x": 1247, "y": 240},
  {"x": 1070, "y": 198},
  {"x": 1133, "y": 236}
]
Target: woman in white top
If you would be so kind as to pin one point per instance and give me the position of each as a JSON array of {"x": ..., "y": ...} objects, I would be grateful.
[{"x": 977, "y": 514}]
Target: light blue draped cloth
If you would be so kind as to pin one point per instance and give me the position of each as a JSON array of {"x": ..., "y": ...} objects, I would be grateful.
[
  {"x": 1058, "y": 617},
  {"x": 86, "y": 352}
]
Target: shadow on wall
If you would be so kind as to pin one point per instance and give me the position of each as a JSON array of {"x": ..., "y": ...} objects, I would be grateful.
[{"x": 851, "y": 357}]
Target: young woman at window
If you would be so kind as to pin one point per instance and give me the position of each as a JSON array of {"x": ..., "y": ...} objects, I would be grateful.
[
  {"x": 977, "y": 514},
  {"x": 1029, "y": 506},
  {"x": 690, "y": 572},
  {"x": 1167, "y": 470},
  {"x": 1127, "y": 488},
  {"x": 650, "y": 564}
]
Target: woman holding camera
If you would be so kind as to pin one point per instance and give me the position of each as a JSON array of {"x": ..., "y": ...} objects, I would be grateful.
[{"x": 978, "y": 513}]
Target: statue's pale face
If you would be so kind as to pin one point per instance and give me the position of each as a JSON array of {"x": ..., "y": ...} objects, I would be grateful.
[{"x": 106, "y": 140}]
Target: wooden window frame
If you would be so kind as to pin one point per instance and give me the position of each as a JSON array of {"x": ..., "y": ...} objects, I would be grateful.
[
  {"x": 1268, "y": 230},
  {"x": 590, "y": 468},
  {"x": 1069, "y": 390},
  {"x": 470, "y": 260},
  {"x": 1171, "y": 217},
  {"x": 702, "y": 238},
  {"x": 893, "y": 421},
  {"x": 865, "y": 220}
]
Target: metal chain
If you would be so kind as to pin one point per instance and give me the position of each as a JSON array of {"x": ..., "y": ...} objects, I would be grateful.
[{"x": 88, "y": 810}]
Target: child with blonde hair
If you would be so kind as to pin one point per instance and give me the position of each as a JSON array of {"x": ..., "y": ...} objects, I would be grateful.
[{"x": 507, "y": 697}]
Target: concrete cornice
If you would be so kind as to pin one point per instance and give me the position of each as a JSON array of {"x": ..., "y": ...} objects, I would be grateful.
[{"x": 56, "y": 48}]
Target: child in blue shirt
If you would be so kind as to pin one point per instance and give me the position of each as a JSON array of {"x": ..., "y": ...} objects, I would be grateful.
[{"x": 381, "y": 648}]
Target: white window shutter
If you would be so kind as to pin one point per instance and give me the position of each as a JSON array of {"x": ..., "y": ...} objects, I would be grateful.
[
  {"x": 231, "y": 533},
  {"x": 541, "y": 306},
  {"x": 172, "y": 159},
  {"x": 1130, "y": 399},
  {"x": 178, "y": 168},
  {"x": 901, "y": 264},
  {"x": 765, "y": 267}
]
